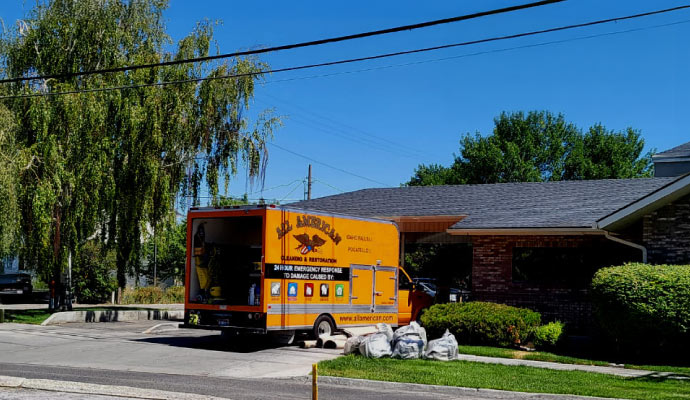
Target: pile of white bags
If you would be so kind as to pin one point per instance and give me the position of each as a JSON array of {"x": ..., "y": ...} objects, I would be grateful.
[
  {"x": 375, "y": 345},
  {"x": 443, "y": 349},
  {"x": 408, "y": 342}
]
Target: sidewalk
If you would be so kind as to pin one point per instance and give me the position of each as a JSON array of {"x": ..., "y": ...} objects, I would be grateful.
[
  {"x": 39, "y": 387},
  {"x": 619, "y": 371}
]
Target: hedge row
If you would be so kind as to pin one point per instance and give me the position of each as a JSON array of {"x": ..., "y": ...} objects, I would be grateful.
[
  {"x": 480, "y": 323},
  {"x": 153, "y": 295},
  {"x": 642, "y": 306}
]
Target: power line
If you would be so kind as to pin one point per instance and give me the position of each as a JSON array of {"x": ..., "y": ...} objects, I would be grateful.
[
  {"x": 276, "y": 187},
  {"x": 329, "y": 185},
  {"x": 291, "y": 46},
  {"x": 314, "y": 125},
  {"x": 479, "y": 53},
  {"x": 350, "y": 133},
  {"x": 353, "y": 60},
  {"x": 290, "y": 192},
  {"x": 329, "y": 166}
]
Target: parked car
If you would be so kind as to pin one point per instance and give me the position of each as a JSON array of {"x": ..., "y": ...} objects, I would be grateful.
[
  {"x": 429, "y": 286},
  {"x": 16, "y": 283}
]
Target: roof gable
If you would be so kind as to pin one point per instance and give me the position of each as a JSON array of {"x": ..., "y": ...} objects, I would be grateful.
[{"x": 682, "y": 151}]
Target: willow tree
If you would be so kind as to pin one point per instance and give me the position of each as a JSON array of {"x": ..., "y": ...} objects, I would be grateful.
[
  {"x": 10, "y": 160},
  {"x": 112, "y": 162}
]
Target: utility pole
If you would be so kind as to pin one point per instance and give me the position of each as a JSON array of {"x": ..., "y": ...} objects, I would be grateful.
[{"x": 309, "y": 184}]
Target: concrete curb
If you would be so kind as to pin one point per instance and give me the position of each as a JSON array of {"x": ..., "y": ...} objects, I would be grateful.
[
  {"x": 447, "y": 390},
  {"x": 112, "y": 316},
  {"x": 95, "y": 389}
]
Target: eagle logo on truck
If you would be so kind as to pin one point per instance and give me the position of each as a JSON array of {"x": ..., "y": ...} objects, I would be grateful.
[{"x": 308, "y": 244}]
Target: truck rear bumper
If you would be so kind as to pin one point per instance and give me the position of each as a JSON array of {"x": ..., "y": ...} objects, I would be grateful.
[{"x": 240, "y": 329}]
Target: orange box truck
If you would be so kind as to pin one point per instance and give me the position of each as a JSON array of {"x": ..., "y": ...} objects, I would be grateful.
[{"x": 273, "y": 269}]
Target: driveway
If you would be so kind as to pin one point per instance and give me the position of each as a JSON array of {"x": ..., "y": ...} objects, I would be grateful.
[{"x": 123, "y": 346}]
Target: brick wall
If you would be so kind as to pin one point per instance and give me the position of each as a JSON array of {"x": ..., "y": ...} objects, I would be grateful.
[
  {"x": 666, "y": 233},
  {"x": 492, "y": 278}
]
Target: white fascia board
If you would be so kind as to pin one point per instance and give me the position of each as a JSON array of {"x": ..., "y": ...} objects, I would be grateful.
[{"x": 647, "y": 204}]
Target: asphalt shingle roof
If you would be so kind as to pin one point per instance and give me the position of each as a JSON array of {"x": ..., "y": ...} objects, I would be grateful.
[
  {"x": 679, "y": 151},
  {"x": 566, "y": 204}
]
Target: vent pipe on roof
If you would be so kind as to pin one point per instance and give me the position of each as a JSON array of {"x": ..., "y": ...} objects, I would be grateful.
[{"x": 630, "y": 244}]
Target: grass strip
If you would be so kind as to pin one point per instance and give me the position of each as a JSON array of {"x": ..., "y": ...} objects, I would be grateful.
[
  {"x": 34, "y": 317},
  {"x": 501, "y": 352},
  {"x": 504, "y": 377}
]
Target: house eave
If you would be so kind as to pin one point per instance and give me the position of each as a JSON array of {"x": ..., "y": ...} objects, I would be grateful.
[
  {"x": 576, "y": 231},
  {"x": 647, "y": 204}
]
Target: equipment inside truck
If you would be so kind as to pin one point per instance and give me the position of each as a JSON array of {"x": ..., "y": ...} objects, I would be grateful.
[{"x": 226, "y": 261}]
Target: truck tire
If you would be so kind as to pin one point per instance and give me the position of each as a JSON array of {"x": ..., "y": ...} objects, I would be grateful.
[{"x": 323, "y": 326}]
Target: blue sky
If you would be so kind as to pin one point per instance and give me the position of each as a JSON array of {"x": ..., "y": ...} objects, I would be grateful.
[{"x": 380, "y": 119}]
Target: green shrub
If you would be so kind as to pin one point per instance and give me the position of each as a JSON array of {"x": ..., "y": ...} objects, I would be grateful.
[
  {"x": 174, "y": 294},
  {"x": 481, "y": 323},
  {"x": 142, "y": 295},
  {"x": 644, "y": 307},
  {"x": 548, "y": 336},
  {"x": 153, "y": 295},
  {"x": 93, "y": 273}
]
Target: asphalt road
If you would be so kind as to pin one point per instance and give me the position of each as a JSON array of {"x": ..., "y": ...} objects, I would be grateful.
[
  {"x": 252, "y": 389},
  {"x": 188, "y": 361}
]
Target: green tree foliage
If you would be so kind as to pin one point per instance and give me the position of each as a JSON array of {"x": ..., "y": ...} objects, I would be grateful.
[
  {"x": 608, "y": 154},
  {"x": 167, "y": 250},
  {"x": 540, "y": 146},
  {"x": 93, "y": 273},
  {"x": 114, "y": 161},
  {"x": 9, "y": 184}
]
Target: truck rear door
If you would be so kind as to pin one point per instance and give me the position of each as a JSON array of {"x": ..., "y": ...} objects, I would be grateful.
[
  {"x": 362, "y": 285},
  {"x": 385, "y": 286}
]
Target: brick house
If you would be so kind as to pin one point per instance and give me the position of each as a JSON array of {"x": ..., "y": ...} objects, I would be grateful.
[{"x": 537, "y": 244}]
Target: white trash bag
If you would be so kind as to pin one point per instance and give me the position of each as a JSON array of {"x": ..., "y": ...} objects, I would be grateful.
[
  {"x": 385, "y": 329},
  {"x": 375, "y": 345},
  {"x": 352, "y": 345},
  {"x": 409, "y": 342},
  {"x": 412, "y": 330},
  {"x": 408, "y": 348},
  {"x": 443, "y": 349}
]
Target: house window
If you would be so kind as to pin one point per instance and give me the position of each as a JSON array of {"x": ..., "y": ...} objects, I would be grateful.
[{"x": 571, "y": 267}]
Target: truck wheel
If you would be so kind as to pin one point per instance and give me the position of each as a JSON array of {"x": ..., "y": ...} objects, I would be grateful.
[{"x": 323, "y": 326}]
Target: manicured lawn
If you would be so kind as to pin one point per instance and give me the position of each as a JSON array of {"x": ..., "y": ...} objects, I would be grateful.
[
  {"x": 35, "y": 317},
  {"x": 546, "y": 356},
  {"x": 503, "y": 377}
]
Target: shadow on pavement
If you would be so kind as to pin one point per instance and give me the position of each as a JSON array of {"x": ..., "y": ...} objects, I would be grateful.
[
  {"x": 235, "y": 344},
  {"x": 663, "y": 376}
]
